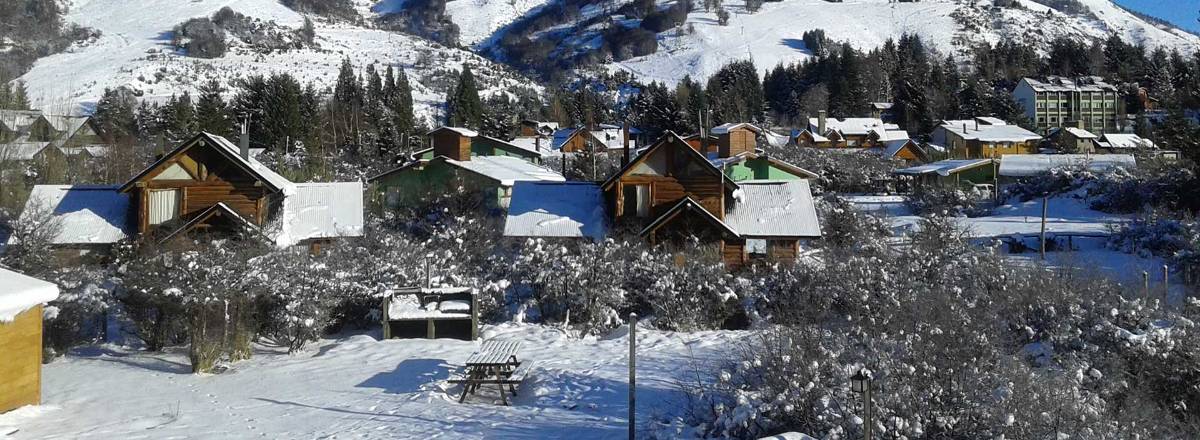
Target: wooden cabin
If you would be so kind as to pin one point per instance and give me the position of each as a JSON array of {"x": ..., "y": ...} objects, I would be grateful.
[
  {"x": 671, "y": 191},
  {"x": 202, "y": 173},
  {"x": 21, "y": 301}
]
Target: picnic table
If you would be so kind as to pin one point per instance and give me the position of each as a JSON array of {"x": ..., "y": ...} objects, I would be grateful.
[{"x": 494, "y": 363}]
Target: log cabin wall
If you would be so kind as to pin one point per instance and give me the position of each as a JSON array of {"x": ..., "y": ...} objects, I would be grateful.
[
  {"x": 203, "y": 177},
  {"x": 736, "y": 141},
  {"x": 671, "y": 175},
  {"x": 452, "y": 145}
]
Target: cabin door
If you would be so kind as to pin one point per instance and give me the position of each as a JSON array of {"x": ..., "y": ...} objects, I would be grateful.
[{"x": 164, "y": 205}]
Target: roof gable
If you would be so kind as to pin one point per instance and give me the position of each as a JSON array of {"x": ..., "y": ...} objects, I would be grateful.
[
  {"x": 670, "y": 140},
  {"x": 225, "y": 149},
  {"x": 685, "y": 206}
]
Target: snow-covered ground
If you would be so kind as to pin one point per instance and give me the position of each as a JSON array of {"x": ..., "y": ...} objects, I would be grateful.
[
  {"x": 773, "y": 34},
  {"x": 361, "y": 387},
  {"x": 134, "y": 50},
  {"x": 1066, "y": 214}
]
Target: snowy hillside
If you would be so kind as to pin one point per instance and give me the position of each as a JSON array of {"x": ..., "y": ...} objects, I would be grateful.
[
  {"x": 134, "y": 51},
  {"x": 773, "y": 34}
]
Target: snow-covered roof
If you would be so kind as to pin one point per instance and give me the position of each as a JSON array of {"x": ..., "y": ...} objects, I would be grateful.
[
  {"x": 505, "y": 169},
  {"x": 94, "y": 150},
  {"x": 1024, "y": 165},
  {"x": 19, "y": 120},
  {"x": 460, "y": 130},
  {"x": 886, "y": 135},
  {"x": 66, "y": 124},
  {"x": 774, "y": 209},
  {"x": 851, "y": 126},
  {"x": 531, "y": 143},
  {"x": 321, "y": 210},
  {"x": 991, "y": 120},
  {"x": 611, "y": 138},
  {"x": 556, "y": 209},
  {"x": 968, "y": 129},
  {"x": 21, "y": 292},
  {"x": 85, "y": 214},
  {"x": 1075, "y": 131},
  {"x": 730, "y": 126},
  {"x": 21, "y": 150},
  {"x": 1063, "y": 84},
  {"x": 881, "y": 105},
  {"x": 1130, "y": 141},
  {"x": 816, "y": 137},
  {"x": 945, "y": 167},
  {"x": 252, "y": 164}
]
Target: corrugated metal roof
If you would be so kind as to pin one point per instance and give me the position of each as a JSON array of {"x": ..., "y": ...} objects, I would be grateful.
[
  {"x": 86, "y": 214},
  {"x": 21, "y": 150},
  {"x": 505, "y": 169},
  {"x": 556, "y": 209},
  {"x": 944, "y": 167},
  {"x": 774, "y": 209},
  {"x": 1024, "y": 165},
  {"x": 253, "y": 164},
  {"x": 321, "y": 210}
]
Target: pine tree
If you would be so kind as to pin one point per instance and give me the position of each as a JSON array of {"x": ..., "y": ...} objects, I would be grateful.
[
  {"x": 178, "y": 118},
  {"x": 347, "y": 91},
  {"x": 19, "y": 99},
  {"x": 402, "y": 104},
  {"x": 115, "y": 114},
  {"x": 463, "y": 107},
  {"x": 212, "y": 114}
]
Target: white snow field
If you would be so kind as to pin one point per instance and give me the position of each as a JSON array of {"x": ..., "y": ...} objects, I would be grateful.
[
  {"x": 361, "y": 387},
  {"x": 773, "y": 34},
  {"x": 134, "y": 50}
]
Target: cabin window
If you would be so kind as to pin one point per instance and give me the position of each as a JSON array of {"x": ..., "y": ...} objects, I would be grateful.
[
  {"x": 637, "y": 200},
  {"x": 164, "y": 205},
  {"x": 756, "y": 248},
  {"x": 392, "y": 196}
]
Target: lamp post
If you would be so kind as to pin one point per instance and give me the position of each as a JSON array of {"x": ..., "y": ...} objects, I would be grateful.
[{"x": 860, "y": 383}]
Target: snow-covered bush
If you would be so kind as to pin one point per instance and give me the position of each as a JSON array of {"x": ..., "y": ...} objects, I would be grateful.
[
  {"x": 1058, "y": 181},
  {"x": 844, "y": 226},
  {"x": 1167, "y": 188},
  {"x": 1156, "y": 234},
  {"x": 945, "y": 201},
  {"x": 80, "y": 313},
  {"x": 842, "y": 171},
  {"x": 962, "y": 344}
]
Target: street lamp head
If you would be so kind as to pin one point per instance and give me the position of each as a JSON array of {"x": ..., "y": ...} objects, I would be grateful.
[{"x": 860, "y": 381}]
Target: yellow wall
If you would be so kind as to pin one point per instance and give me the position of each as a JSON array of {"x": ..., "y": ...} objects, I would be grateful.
[{"x": 21, "y": 360}]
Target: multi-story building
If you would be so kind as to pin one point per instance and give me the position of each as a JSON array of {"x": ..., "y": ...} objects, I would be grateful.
[{"x": 1085, "y": 102}]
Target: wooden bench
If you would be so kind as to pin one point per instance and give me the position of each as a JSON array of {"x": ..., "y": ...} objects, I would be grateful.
[{"x": 431, "y": 313}]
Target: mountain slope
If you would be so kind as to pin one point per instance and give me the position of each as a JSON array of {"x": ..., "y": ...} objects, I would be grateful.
[
  {"x": 135, "y": 51},
  {"x": 773, "y": 34}
]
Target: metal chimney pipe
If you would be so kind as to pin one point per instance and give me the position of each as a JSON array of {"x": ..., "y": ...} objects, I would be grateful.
[{"x": 245, "y": 140}]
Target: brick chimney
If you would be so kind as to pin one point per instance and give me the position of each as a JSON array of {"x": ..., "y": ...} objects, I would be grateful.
[
  {"x": 452, "y": 142},
  {"x": 821, "y": 122}
]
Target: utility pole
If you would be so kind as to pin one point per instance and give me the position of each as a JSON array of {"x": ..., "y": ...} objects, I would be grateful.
[
  {"x": 632, "y": 373},
  {"x": 1045, "y": 201}
]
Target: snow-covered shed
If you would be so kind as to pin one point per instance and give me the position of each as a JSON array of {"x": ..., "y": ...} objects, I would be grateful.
[
  {"x": 21, "y": 300},
  {"x": 952, "y": 172},
  {"x": 80, "y": 219},
  {"x": 556, "y": 210},
  {"x": 1026, "y": 165},
  {"x": 770, "y": 217}
]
